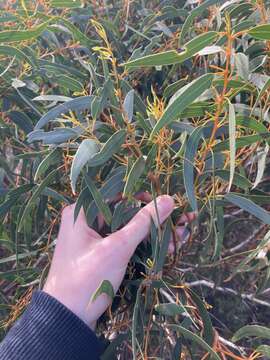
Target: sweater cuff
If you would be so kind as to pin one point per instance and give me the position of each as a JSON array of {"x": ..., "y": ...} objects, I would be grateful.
[{"x": 48, "y": 327}]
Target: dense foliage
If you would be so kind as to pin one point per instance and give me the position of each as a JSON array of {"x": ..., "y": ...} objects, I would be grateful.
[{"x": 101, "y": 98}]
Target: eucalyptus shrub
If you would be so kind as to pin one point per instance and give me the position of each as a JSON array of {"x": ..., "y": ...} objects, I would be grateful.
[{"x": 102, "y": 100}]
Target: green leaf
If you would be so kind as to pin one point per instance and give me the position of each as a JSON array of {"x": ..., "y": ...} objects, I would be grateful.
[
  {"x": 112, "y": 146},
  {"x": 249, "y": 206},
  {"x": 137, "y": 313},
  {"x": 252, "y": 330},
  {"x": 129, "y": 104},
  {"x": 188, "y": 170},
  {"x": 194, "y": 337},
  {"x": 87, "y": 149},
  {"x": 208, "y": 331},
  {"x": 242, "y": 65},
  {"x": 37, "y": 192},
  {"x": 52, "y": 158},
  {"x": 69, "y": 4},
  {"x": 135, "y": 172},
  {"x": 109, "y": 190},
  {"x": 19, "y": 54},
  {"x": 261, "y": 32},
  {"x": 163, "y": 248},
  {"x": 169, "y": 309},
  {"x": 193, "y": 14},
  {"x": 104, "y": 288},
  {"x": 264, "y": 350},
  {"x": 261, "y": 93},
  {"x": 21, "y": 120},
  {"x": 172, "y": 56},
  {"x": 262, "y": 156},
  {"x": 77, "y": 104},
  {"x": 12, "y": 197},
  {"x": 232, "y": 141},
  {"x": 21, "y": 35},
  {"x": 241, "y": 142},
  {"x": 102, "y": 206},
  {"x": 190, "y": 93}
]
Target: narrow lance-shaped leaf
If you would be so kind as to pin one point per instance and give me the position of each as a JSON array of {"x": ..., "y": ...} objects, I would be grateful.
[
  {"x": 261, "y": 32},
  {"x": 37, "y": 192},
  {"x": 52, "y": 158},
  {"x": 262, "y": 156},
  {"x": 181, "y": 102},
  {"x": 242, "y": 65},
  {"x": 172, "y": 56},
  {"x": 163, "y": 248},
  {"x": 136, "y": 322},
  {"x": 261, "y": 93},
  {"x": 129, "y": 104},
  {"x": 249, "y": 206},
  {"x": 109, "y": 190},
  {"x": 70, "y": 4},
  {"x": 194, "y": 13},
  {"x": 19, "y": 54},
  {"x": 102, "y": 206},
  {"x": 232, "y": 141},
  {"x": 252, "y": 330},
  {"x": 194, "y": 337},
  {"x": 112, "y": 146},
  {"x": 134, "y": 174},
  {"x": 21, "y": 35},
  {"x": 188, "y": 171},
  {"x": 87, "y": 149},
  {"x": 77, "y": 104},
  {"x": 208, "y": 331}
]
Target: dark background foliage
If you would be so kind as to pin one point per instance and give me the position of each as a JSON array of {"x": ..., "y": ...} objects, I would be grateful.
[{"x": 105, "y": 99}]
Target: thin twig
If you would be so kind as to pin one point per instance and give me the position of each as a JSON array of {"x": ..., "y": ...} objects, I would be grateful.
[{"x": 212, "y": 285}]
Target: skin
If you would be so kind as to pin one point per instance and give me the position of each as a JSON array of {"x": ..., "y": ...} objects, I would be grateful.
[{"x": 83, "y": 259}]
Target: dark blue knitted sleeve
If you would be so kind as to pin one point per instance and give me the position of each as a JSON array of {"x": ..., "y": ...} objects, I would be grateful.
[{"x": 49, "y": 331}]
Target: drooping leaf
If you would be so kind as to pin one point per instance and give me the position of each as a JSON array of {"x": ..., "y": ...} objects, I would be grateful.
[
  {"x": 249, "y": 206},
  {"x": 21, "y": 35},
  {"x": 172, "y": 56},
  {"x": 193, "y": 14},
  {"x": 102, "y": 206},
  {"x": 36, "y": 193},
  {"x": 87, "y": 149},
  {"x": 52, "y": 158},
  {"x": 17, "y": 53},
  {"x": 261, "y": 32},
  {"x": 78, "y": 104},
  {"x": 134, "y": 174},
  {"x": 109, "y": 190},
  {"x": 194, "y": 337},
  {"x": 129, "y": 104},
  {"x": 262, "y": 156},
  {"x": 111, "y": 147},
  {"x": 242, "y": 65},
  {"x": 188, "y": 170},
  {"x": 252, "y": 330},
  {"x": 181, "y": 102},
  {"x": 232, "y": 137}
]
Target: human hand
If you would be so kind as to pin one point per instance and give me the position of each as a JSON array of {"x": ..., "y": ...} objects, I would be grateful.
[{"x": 83, "y": 259}]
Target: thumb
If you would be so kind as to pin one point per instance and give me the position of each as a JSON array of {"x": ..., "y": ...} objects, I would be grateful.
[{"x": 138, "y": 228}]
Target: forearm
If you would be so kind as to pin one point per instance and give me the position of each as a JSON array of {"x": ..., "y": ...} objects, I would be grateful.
[{"x": 48, "y": 330}]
